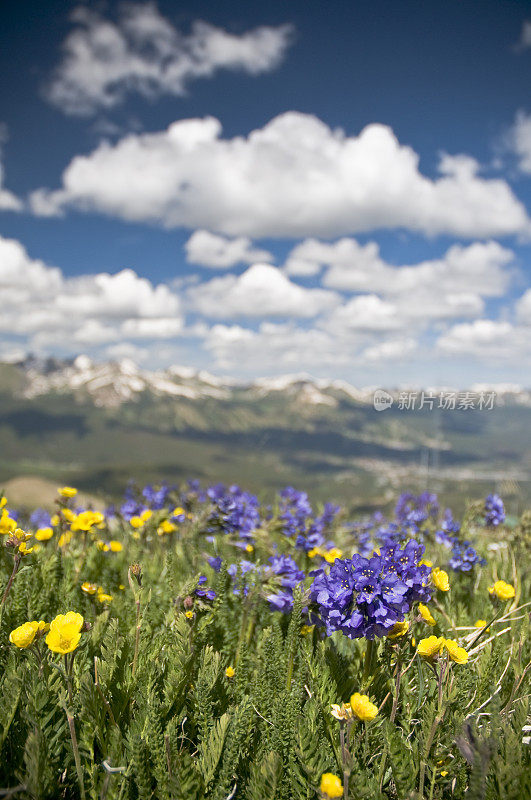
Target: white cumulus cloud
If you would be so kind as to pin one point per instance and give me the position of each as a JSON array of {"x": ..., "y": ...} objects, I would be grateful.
[
  {"x": 487, "y": 339},
  {"x": 143, "y": 52},
  {"x": 523, "y": 308},
  {"x": 261, "y": 291},
  {"x": 294, "y": 177},
  {"x": 521, "y": 141},
  {"x": 8, "y": 201},
  {"x": 479, "y": 267},
  {"x": 46, "y": 309},
  {"x": 219, "y": 252}
]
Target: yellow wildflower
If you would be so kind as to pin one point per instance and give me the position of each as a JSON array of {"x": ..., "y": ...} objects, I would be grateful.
[
  {"x": 426, "y": 615},
  {"x": 24, "y": 635},
  {"x": 456, "y": 653},
  {"x": 3, "y": 501},
  {"x": 316, "y": 551},
  {"x": 332, "y": 554},
  {"x": 430, "y": 647},
  {"x": 342, "y": 712},
  {"x": 24, "y": 549},
  {"x": 249, "y": 548},
  {"x": 440, "y": 579},
  {"x": 55, "y": 520},
  {"x": 138, "y": 521},
  {"x": 178, "y": 512},
  {"x": 502, "y": 590},
  {"x": 89, "y": 588},
  {"x": 362, "y": 708},
  {"x": 399, "y": 629},
  {"x": 444, "y": 773},
  {"x": 67, "y": 491},
  {"x": 68, "y": 514},
  {"x": 115, "y": 547},
  {"x": 306, "y": 629},
  {"x": 166, "y": 527},
  {"x": 331, "y": 786},
  {"x": 189, "y": 614},
  {"x": 7, "y": 525},
  {"x": 65, "y": 539},
  {"x": 230, "y": 672},
  {"x": 103, "y": 597},
  {"x": 86, "y": 520},
  {"x": 43, "y": 534},
  {"x": 426, "y": 563},
  {"x": 65, "y": 632},
  {"x": 480, "y": 623},
  {"x": 102, "y": 546}
]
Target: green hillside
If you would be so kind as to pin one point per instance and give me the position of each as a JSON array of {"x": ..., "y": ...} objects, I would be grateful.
[{"x": 346, "y": 450}]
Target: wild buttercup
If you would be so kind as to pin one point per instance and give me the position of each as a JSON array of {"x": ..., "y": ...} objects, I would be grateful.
[
  {"x": 24, "y": 636},
  {"x": 379, "y": 714},
  {"x": 65, "y": 632}
]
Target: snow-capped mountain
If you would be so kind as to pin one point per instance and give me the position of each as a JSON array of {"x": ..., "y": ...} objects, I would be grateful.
[{"x": 110, "y": 384}]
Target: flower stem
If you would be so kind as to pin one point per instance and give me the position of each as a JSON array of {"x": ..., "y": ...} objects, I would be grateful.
[
  {"x": 397, "y": 687},
  {"x": 9, "y": 583},
  {"x": 72, "y": 725},
  {"x": 368, "y": 664},
  {"x": 75, "y": 748},
  {"x": 344, "y": 757},
  {"x": 137, "y": 634},
  {"x": 436, "y": 722}
]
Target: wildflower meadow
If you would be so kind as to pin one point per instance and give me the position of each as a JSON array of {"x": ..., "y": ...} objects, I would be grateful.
[{"x": 194, "y": 642}]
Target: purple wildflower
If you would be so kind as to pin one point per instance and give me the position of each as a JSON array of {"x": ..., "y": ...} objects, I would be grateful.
[
  {"x": 40, "y": 518},
  {"x": 366, "y": 597},
  {"x": 494, "y": 510}
]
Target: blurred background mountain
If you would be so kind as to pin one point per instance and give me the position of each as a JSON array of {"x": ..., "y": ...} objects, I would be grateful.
[{"x": 98, "y": 425}]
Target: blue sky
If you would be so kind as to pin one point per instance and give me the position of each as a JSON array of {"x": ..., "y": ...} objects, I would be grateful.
[{"x": 339, "y": 188}]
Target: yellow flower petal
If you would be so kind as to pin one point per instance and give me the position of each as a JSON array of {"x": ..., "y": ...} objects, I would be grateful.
[
  {"x": 362, "y": 708},
  {"x": 430, "y": 647},
  {"x": 440, "y": 579},
  {"x": 455, "y": 652},
  {"x": 426, "y": 615},
  {"x": 399, "y": 629},
  {"x": 331, "y": 785},
  {"x": 24, "y": 635},
  {"x": 502, "y": 590}
]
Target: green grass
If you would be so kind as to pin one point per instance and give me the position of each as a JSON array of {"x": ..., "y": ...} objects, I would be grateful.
[{"x": 143, "y": 707}]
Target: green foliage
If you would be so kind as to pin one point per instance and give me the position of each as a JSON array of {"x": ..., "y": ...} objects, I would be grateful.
[{"x": 157, "y": 717}]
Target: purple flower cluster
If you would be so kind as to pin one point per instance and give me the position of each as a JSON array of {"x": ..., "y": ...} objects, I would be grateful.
[
  {"x": 235, "y": 511},
  {"x": 449, "y": 524},
  {"x": 203, "y": 591},
  {"x": 298, "y": 521},
  {"x": 288, "y": 576},
  {"x": 238, "y": 572},
  {"x": 414, "y": 510},
  {"x": 295, "y": 509},
  {"x": 464, "y": 557},
  {"x": 366, "y": 597},
  {"x": 131, "y": 507},
  {"x": 494, "y": 510},
  {"x": 40, "y": 518},
  {"x": 156, "y": 498}
]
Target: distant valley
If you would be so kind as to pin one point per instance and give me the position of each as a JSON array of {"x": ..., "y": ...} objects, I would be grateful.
[{"x": 98, "y": 425}]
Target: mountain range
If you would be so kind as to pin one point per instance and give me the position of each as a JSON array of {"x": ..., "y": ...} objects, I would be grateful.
[{"x": 100, "y": 424}]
